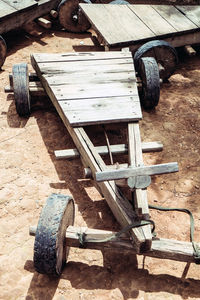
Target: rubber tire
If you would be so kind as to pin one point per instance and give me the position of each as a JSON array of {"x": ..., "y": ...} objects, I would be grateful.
[
  {"x": 69, "y": 8},
  {"x": 153, "y": 49},
  {"x": 3, "y": 51},
  {"x": 149, "y": 74},
  {"x": 119, "y": 2},
  {"x": 50, "y": 250},
  {"x": 21, "y": 89}
]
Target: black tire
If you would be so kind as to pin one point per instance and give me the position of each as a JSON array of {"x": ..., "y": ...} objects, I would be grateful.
[
  {"x": 50, "y": 250},
  {"x": 3, "y": 51},
  {"x": 149, "y": 74},
  {"x": 119, "y": 2},
  {"x": 71, "y": 16},
  {"x": 164, "y": 54},
  {"x": 21, "y": 89}
]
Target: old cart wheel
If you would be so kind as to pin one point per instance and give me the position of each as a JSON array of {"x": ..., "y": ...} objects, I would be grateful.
[
  {"x": 163, "y": 52},
  {"x": 50, "y": 250},
  {"x": 71, "y": 16},
  {"x": 3, "y": 50},
  {"x": 149, "y": 74},
  {"x": 119, "y": 2},
  {"x": 21, "y": 89}
]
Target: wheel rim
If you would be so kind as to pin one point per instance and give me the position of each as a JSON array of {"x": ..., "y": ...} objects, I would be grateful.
[
  {"x": 164, "y": 54},
  {"x": 71, "y": 16},
  {"x": 62, "y": 250}
]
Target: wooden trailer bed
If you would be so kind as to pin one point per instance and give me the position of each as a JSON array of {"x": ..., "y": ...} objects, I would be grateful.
[{"x": 120, "y": 26}]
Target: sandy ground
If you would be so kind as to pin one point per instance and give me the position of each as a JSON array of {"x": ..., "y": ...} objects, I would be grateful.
[{"x": 30, "y": 173}]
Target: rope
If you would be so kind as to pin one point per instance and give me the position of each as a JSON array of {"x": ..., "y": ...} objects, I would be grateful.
[
  {"x": 194, "y": 245},
  {"x": 82, "y": 235},
  {"x": 196, "y": 248}
]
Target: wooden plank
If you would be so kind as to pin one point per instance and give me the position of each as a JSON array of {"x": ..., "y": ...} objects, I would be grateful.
[
  {"x": 101, "y": 110},
  {"x": 137, "y": 171},
  {"x": 178, "y": 40},
  {"x": 140, "y": 196},
  {"x": 104, "y": 90},
  {"x": 152, "y": 18},
  {"x": 137, "y": 233},
  {"x": 21, "y": 17},
  {"x": 123, "y": 24},
  {"x": 119, "y": 205},
  {"x": 103, "y": 150},
  {"x": 175, "y": 18},
  {"x": 135, "y": 159},
  {"x": 93, "y": 77},
  {"x": 96, "y": 66},
  {"x": 191, "y": 12},
  {"x": 6, "y": 10},
  {"x": 79, "y": 56},
  {"x": 161, "y": 248},
  {"x": 21, "y": 4}
]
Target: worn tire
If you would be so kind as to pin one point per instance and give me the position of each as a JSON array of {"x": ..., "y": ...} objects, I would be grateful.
[
  {"x": 163, "y": 53},
  {"x": 3, "y": 51},
  {"x": 21, "y": 89},
  {"x": 119, "y": 2},
  {"x": 149, "y": 74},
  {"x": 50, "y": 250},
  {"x": 71, "y": 16}
]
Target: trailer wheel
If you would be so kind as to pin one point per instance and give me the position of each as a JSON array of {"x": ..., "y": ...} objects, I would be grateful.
[
  {"x": 50, "y": 250},
  {"x": 71, "y": 16},
  {"x": 163, "y": 52},
  {"x": 21, "y": 89},
  {"x": 3, "y": 51},
  {"x": 149, "y": 74},
  {"x": 119, "y": 2}
]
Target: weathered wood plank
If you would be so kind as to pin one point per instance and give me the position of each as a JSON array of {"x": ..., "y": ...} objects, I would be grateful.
[
  {"x": 22, "y": 17},
  {"x": 136, "y": 159},
  {"x": 20, "y": 4},
  {"x": 175, "y": 17},
  {"x": 79, "y": 56},
  {"x": 103, "y": 150},
  {"x": 140, "y": 196},
  {"x": 102, "y": 90},
  {"x": 100, "y": 110},
  {"x": 137, "y": 171},
  {"x": 161, "y": 248},
  {"x": 179, "y": 40},
  {"x": 191, "y": 12},
  {"x": 6, "y": 10},
  {"x": 96, "y": 66},
  {"x": 93, "y": 77},
  {"x": 152, "y": 18},
  {"x": 123, "y": 24}
]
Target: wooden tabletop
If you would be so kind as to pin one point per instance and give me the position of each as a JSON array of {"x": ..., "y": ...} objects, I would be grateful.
[
  {"x": 118, "y": 24},
  {"x": 91, "y": 88}
]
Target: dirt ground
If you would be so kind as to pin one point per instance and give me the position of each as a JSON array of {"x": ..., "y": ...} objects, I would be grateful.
[{"x": 30, "y": 173}]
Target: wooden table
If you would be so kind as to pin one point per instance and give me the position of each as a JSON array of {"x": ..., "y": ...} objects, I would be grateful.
[{"x": 120, "y": 26}]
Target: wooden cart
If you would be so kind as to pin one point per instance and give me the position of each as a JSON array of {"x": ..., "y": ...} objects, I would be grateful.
[
  {"x": 15, "y": 14},
  {"x": 89, "y": 89},
  {"x": 119, "y": 26}
]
